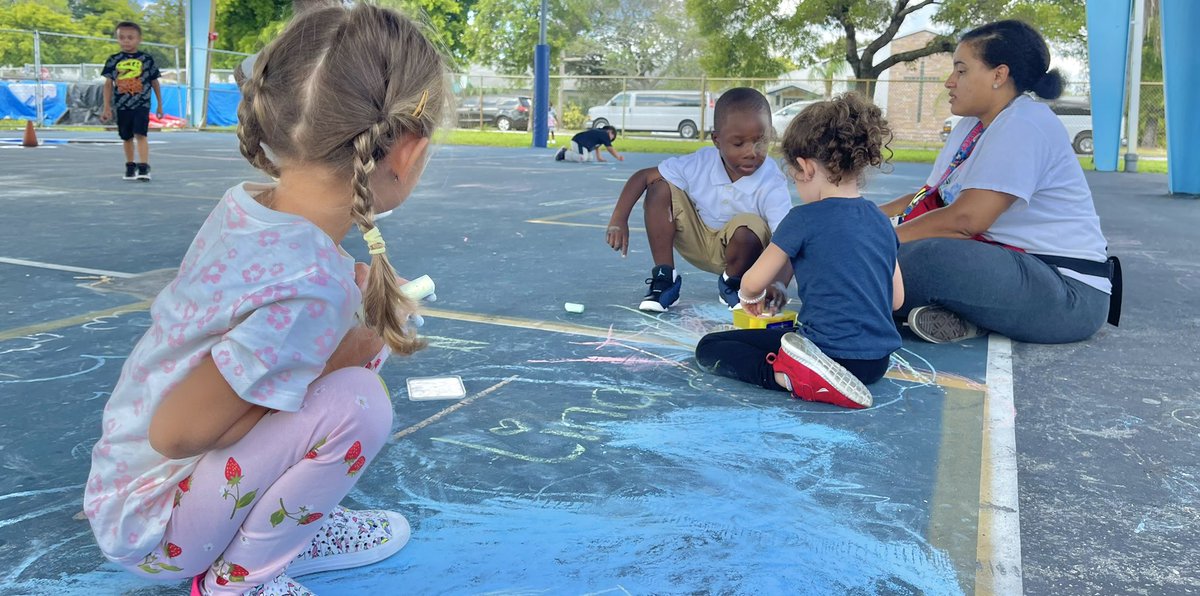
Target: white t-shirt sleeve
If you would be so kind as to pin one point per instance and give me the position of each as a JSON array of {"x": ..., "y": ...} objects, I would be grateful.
[
  {"x": 776, "y": 203},
  {"x": 680, "y": 170},
  {"x": 275, "y": 352},
  {"x": 1010, "y": 158}
]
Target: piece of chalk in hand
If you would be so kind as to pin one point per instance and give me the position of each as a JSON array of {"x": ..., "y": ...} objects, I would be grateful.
[
  {"x": 573, "y": 307},
  {"x": 418, "y": 288}
]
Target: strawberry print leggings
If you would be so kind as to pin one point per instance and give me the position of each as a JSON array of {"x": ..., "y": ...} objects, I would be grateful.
[{"x": 249, "y": 509}]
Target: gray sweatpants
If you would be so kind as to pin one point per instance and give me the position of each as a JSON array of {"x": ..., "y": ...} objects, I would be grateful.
[{"x": 1001, "y": 290}]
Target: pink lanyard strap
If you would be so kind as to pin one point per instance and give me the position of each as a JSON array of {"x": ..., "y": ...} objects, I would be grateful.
[{"x": 964, "y": 151}]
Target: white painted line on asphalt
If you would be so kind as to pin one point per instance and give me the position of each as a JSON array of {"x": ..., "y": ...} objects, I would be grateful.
[
  {"x": 1000, "y": 516},
  {"x": 69, "y": 268}
]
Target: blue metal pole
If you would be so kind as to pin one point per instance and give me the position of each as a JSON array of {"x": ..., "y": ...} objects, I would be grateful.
[
  {"x": 541, "y": 85},
  {"x": 1181, "y": 80},
  {"x": 1108, "y": 42}
]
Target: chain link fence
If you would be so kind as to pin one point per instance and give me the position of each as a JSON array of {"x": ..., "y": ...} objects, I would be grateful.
[
  {"x": 917, "y": 108},
  {"x": 55, "y": 78}
]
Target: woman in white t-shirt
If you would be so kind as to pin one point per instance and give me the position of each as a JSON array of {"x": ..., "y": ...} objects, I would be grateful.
[{"x": 1017, "y": 248}]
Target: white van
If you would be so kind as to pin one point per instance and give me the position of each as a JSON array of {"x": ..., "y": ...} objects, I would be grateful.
[{"x": 656, "y": 111}]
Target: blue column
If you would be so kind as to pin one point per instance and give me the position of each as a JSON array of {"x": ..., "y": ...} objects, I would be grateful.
[
  {"x": 198, "y": 26},
  {"x": 541, "y": 94},
  {"x": 1181, "y": 79},
  {"x": 1108, "y": 43}
]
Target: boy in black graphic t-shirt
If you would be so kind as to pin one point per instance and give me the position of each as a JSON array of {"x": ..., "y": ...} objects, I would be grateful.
[{"x": 133, "y": 73}]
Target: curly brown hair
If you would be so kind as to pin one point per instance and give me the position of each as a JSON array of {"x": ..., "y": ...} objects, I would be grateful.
[{"x": 845, "y": 134}]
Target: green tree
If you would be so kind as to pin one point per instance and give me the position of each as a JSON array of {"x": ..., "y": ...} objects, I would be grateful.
[
  {"x": 736, "y": 34},
  {"x": 446, "y": 23},
  {"x": 241, "y": 23},
  {"x": 503, "y": 33},
  {"x": 755, "y": 37},
  {"x": 16, "y": 49},
  {"x": 648, "y": 38}
]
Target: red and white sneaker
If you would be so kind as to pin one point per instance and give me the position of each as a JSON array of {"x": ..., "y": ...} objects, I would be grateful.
[{"x": 815, "y": 376}]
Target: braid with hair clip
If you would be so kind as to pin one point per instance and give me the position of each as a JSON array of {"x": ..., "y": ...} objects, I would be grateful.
[{"x": 385, "y": 306}]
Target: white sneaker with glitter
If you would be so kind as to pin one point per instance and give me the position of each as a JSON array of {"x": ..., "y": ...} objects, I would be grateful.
[
  {"x": 351, "y": 538},
  {"x": 282, "y": 585}
]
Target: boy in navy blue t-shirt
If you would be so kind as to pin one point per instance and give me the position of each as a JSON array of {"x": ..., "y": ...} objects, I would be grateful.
[
  {"x": 842, "y": 249},
  {"x": 133, "y": 74},
  {"x": 586, "y": 144}
]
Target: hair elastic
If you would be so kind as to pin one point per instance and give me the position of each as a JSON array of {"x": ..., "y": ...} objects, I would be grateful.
[
  {"x": 375, "y": 243},
  {"x": 421, "y": 104}
]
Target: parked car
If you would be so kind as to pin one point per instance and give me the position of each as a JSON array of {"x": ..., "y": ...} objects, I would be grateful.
[
  {"x": 1075, "y": 114},
  {"x": 656, "y": 111},
  {"x": 505, "y": 112},
  {"x": 783, "y": 116}
]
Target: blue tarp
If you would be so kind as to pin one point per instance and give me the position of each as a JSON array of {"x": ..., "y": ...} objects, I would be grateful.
[
  {"x": 223, "y": 99},
  {"x": 18, "y": 100}
]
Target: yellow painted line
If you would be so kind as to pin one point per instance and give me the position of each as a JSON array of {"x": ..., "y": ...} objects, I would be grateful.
[
  {"x": 76, "y": 320},
  {"x": 574, "y": 213},
  {"x": 954, "y": 507},
  {"x": 555, "y": 327},
  {"x": 941, "y": 380}
]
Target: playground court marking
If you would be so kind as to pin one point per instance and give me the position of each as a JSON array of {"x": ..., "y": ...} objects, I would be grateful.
[{"x": 998, "y": 536}]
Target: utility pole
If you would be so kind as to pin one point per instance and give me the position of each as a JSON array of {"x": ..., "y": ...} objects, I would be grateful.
[
  {"x": 1136, "y": 39},
  {"x": 541, "y": 84}
]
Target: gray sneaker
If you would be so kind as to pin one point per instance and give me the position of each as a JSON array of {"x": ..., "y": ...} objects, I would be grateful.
[{"x": 937, "y": 325}]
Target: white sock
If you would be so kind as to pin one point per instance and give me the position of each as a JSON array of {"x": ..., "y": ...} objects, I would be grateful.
[{"x": 787, "y": 382}]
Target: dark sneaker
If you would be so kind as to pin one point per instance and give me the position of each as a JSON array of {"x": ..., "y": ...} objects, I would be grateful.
[
  {"x": 130, "y": 171},
  {"x": 937, "y": 325},
  {"x": 561, "y": 155},
  {"x": 664, "y": 289},
  {"x": 815, "y": 376},
  {"x": 143, "y": 171},
  {"x": 728, "y": 290}
]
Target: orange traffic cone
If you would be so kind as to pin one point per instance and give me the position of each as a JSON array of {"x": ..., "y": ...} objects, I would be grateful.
[{"x": 30, "y": 139}]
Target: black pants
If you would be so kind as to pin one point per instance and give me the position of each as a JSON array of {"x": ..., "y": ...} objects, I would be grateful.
[{"x": 742, "y": 354}]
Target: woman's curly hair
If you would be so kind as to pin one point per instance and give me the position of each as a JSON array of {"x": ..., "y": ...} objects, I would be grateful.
[{"x": 845, "y": 134}]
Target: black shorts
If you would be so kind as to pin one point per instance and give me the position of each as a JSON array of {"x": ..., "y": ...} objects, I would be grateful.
[{"x": 133, "y": 122}]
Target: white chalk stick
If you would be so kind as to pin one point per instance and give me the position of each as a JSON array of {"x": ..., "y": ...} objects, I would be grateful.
[
  {"x": 573, "y": 307},
  {"x": 418, "y": 288}
]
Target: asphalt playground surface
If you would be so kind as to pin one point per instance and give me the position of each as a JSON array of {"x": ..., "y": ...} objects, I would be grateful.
[{"x": 592, "y": 455}]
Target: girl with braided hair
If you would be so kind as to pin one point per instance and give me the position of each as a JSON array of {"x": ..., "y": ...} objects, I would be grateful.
[{"x": 251, "y": 407}]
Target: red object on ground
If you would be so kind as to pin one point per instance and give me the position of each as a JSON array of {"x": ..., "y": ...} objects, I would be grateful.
[
  {"x": 30, "y": 139},
  {"x": 167, "y": 121}
]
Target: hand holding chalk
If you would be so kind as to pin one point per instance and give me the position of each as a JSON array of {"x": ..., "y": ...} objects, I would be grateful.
[{"x": 419, "y": 289}]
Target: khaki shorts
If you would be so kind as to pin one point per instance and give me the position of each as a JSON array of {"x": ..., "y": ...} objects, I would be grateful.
[{"x": 701, "y": 245}]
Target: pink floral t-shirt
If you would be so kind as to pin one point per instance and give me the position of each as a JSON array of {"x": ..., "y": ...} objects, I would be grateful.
[{"x": 269, "y": 295}]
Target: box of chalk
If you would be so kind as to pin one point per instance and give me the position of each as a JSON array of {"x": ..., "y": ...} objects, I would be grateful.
[{"x": 784, "y": 319}]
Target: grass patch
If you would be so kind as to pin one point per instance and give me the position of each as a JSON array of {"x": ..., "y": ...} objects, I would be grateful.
[{"x": 495, "y": 138}]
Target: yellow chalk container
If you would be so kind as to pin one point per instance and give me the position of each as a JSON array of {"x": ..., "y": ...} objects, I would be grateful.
[{"x": 784, "y": 319}]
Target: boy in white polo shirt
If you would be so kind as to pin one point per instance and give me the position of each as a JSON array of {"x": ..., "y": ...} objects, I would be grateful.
[{"x": 717, "y": 206}]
